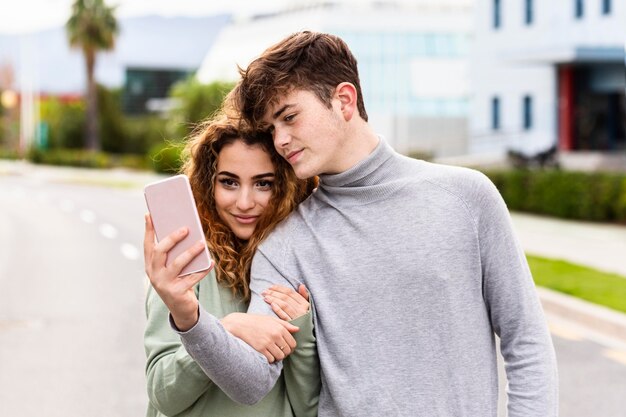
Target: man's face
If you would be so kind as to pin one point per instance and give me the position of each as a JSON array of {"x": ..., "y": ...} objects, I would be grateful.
[{"x": 306, "y": 133}]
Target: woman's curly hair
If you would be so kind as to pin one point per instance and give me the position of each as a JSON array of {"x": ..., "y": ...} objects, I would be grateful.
[{"x": 233, "y": 256}]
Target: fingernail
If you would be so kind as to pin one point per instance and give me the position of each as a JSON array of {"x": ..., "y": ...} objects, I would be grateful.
[
  {"x": 182, "y": 230},
  {"x": 199, "y": 245}
]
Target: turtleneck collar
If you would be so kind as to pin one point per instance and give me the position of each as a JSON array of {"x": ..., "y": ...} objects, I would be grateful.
[
  {"x": 360, "y": 173},
  {"x": 369, "y": 180}
]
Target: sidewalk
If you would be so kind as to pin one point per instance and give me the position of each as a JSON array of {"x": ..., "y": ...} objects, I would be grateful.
[{"x": 599, "y": 246}]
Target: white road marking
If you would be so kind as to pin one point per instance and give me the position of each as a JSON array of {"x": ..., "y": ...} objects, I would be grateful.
[
  {"x": 616, "y": 355},
  {"x": 108, "y": 231},
  {"x": 564, "y": 332},
  {"x": 129, "y": 251},
  {"x": 87, "y": 216}
]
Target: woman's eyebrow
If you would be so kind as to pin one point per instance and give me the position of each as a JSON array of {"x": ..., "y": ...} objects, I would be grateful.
[
  {"x": 266, "y": 175},
  {"x": 228, "y": 174}
]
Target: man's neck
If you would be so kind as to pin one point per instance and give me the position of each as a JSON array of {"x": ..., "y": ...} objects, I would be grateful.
[{"x": 360, "y": 143}]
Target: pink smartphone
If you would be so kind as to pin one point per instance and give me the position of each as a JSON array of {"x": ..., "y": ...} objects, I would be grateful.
[{"x": 172, "y": 206}]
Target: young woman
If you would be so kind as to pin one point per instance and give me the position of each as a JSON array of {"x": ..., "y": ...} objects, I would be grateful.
[{"x": 242, "y": 189}]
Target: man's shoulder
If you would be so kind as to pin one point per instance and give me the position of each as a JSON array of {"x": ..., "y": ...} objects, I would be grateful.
[
  {"x": 458, "y": 180},
  {"x": 285, "y": 231}
]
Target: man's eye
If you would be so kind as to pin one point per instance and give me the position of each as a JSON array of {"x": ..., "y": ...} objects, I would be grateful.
[{"x": 290, "y": 117}]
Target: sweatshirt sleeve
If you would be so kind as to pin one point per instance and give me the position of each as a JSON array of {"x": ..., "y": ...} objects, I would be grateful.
[
  {"x": 514, "y": 308},
  {"x": 174, "y": 380},
  {"x": 301, "y": 369}
]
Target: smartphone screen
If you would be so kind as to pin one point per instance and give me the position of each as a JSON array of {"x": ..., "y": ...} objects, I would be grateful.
[{"x": 172, "y": 206}]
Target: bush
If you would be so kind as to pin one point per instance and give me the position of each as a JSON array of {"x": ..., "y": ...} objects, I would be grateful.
[
  {"x": 71, "y": 157},
  {"x": 196, "y": 102},
  {"x": 570, "y": 195},
  {"x": 166, "y": 157}
]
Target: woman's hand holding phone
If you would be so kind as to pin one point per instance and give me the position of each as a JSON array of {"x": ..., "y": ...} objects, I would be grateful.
[{"x": 177, "y": 292}]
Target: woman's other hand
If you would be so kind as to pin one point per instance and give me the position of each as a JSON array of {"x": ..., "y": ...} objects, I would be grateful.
[
  {"x": 287, "y": 303},
  {"x": 267, "y": 335},
  {"x": 176, "y": 292}
]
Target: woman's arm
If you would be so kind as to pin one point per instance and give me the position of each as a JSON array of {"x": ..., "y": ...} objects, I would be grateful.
[
  {"x": 174, "y": 379},
  {"x": 301, "y": 369}
]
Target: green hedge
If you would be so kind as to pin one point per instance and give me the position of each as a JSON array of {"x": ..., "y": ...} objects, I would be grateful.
[
  {"x": 87, "y": 159},
  {"x": 570, "y": 195}
]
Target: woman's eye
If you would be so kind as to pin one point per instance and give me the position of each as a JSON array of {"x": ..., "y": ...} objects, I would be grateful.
[
  {"x": 290, "y": 117},
  {"x": 228, "y": 182},
  {"x": 265, "y": 185}
]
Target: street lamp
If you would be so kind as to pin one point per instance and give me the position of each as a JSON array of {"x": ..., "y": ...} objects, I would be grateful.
[{"x": 8, "y": 99}]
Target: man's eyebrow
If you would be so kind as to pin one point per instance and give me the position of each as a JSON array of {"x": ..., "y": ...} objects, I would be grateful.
[{"x": 282, "y": 110}]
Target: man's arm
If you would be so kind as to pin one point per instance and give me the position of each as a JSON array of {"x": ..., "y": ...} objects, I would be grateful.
[
  {"x": 240, "y": 371},
  {"x": 515, "y": 311}
]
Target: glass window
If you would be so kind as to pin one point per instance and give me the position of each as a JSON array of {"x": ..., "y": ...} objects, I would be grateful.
[
  {"x": 579, "y": 9},
  {"x": 495, "y": 113},
  {"x": 496, "y": 14},
  {"x": 528, "y": 19},
  {"x": 528, "y": 112}
]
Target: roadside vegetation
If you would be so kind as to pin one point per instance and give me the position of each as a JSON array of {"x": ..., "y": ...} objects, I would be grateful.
[{"x": 589, "y": 284}]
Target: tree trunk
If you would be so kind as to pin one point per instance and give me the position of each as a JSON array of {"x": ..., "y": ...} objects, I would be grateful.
[{"x": 93, "y": 139}]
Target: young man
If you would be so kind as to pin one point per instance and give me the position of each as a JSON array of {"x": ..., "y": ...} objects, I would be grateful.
[{"x": 412, "y": 267}]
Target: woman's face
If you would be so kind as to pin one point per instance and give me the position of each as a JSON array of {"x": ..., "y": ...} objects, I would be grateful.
[{"x": 243, "y": 186}]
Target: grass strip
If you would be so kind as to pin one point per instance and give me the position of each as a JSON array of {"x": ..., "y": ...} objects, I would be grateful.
[{"x": 579, "y": 281}]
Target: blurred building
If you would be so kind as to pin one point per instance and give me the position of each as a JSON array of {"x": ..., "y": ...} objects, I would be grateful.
[
  {"x": 151, "y": 53},
  {"x": 412, "y": 61},
  {"x": 548, "y": 73}
]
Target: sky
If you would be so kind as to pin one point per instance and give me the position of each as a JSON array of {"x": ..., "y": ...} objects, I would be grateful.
[{"x": 23, "y": 16}]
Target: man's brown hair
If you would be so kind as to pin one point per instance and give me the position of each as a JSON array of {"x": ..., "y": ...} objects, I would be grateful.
[{"x": 317, "y": 62}]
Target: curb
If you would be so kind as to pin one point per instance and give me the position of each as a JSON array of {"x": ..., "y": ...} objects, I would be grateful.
[{"x": 599, "y": 319}]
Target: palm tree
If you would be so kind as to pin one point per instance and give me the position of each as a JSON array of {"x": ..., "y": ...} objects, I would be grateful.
[{"x": 92, "y": 27}]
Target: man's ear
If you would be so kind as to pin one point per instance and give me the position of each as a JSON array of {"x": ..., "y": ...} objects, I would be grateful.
[{"x": 346, "y": 94}]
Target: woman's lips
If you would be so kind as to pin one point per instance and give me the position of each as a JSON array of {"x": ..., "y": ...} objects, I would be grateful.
[{"x": 245, "y": 219}]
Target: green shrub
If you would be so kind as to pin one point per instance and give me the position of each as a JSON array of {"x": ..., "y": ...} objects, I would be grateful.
[
  {"x": 71, "y": 157},
  {"x": 570, "y": 195},
  {"x": 166, "y": 157},
  {"x": 196, "y": 102},
  {"x": 7, "y": 153}
]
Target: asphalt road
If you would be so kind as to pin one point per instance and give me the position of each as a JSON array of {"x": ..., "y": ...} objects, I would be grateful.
[
  {"x": 71, "y": 300},
  {"x": 71, "y": 310}
]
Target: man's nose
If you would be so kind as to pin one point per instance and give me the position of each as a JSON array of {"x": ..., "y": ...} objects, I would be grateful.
[{"x": 281, "y": 138}]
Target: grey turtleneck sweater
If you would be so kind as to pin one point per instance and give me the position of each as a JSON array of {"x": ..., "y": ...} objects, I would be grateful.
[{"x": 413, "y": 267}]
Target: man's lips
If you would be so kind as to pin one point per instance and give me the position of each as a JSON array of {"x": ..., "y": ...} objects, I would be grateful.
[{"x": 292, "y": 156}]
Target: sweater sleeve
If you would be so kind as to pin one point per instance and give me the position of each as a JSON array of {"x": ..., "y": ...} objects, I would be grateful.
[
  {"x": 301, "y": 369},
  {"x": 174, "y": 380},
  {"x": 515, "y": 311},
  {"x": 240, "y": 371}
]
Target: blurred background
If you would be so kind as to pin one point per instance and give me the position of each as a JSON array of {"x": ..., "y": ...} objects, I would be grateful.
[{"x": 97, "y": 97}]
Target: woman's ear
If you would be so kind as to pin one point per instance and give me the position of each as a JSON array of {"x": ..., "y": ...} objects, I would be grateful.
[{"x": 346, "y": 94}]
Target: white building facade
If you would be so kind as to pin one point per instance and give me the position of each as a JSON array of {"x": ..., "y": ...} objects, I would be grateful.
[
  {"x": 413, "y": 63},
  {"x": 548, "y": 73}
]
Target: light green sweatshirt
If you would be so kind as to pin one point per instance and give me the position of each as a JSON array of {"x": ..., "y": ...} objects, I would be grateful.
[{"x": 177, "y": 386}]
